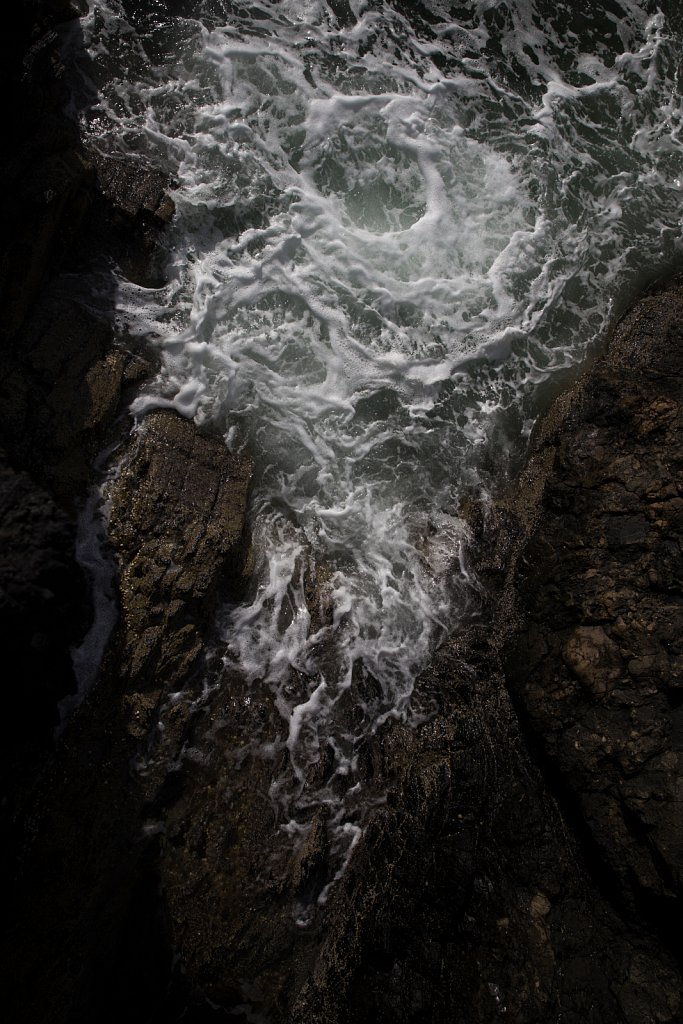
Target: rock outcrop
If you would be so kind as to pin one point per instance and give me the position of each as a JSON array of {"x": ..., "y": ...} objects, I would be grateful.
[
  {"x": 64, "y": 206},
  {"x": 83, "y": 895},
  {"x": 523, "y": 858},
  {"x": 515, "y": 867},
  {"x": 597, "y": 669},
  {"x": 76, "y": 887},
  {"x": 178, "y": 528}
]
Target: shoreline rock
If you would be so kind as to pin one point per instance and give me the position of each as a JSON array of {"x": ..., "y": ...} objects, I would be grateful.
[
  {"x": 478, "y": 889},
  {"x": 597, "y": 667},
  {"x": 526, "y": 861},
  {"x": 78, "y": 877},
  {"x": 178, "y": 528}
]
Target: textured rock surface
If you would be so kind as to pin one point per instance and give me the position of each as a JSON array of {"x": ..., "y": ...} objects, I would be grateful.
[
  {"x": 523, "y": 861},
  {"x": 526, "y": 860},
  {"x": 83, "y": 897},
  {"x": 488, "y": 882},
  {"x": 178, "y": 527},
  {"x": 61, "y": 386},
  {"x": 77, "y": 885},
  {"x": 598, "y": 667},
  {"x": 136, "y": 195},
  {"x": 64, "y": 373}
]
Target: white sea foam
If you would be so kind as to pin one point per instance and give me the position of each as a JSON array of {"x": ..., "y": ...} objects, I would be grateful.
[{"x": 389, "y": 240}]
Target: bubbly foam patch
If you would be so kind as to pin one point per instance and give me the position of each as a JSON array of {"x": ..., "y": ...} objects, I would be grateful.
[{"x": 390, "y": 239}]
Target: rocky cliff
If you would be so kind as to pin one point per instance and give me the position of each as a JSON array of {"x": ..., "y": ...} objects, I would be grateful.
[
  {"x": 70, "y": 818},
  {"x": 525, "y": 860}
]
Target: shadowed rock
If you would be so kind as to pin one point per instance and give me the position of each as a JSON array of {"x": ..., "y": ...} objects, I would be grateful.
[
  {"x": 598, "y": 667},
  {"x": 526, "y": 858},
  {"x": 522, "y": 859},
  {"x": 492, "y": 883},
  {"x": 43, "y": 604},
  {"x": 134, "y": 188},
  {"x": 85, "y": 891}
]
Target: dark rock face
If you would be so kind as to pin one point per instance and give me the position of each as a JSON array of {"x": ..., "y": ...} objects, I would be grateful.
[
  {"x": 44, "y": 177},
  {"x": 77, "y": 888},
  {"x": 84, "y": 897},
  {"x": 61, "y": 386},
  {"x": 64, "y": 373},
  {"x": 598, "y": 668},
  {"x": 42, "y": 603},
  {"x": 497, "y": 879},
  {"x": 468, "y": 898},
  {"x": 178, "y": 528},
  {"x": 136, "y": 195},
  {"x": 524, "y": 860}
]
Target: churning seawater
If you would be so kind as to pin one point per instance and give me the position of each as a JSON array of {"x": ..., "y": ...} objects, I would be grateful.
[{"x": 398, "y": 227}]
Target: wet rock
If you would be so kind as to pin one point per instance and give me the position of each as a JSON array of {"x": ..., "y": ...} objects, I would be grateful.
[
  {"x": 520, "y": 861},
  {"x": 64, "y": 377},
  {"x": 61, "y": 392},
  {"x": 46, "y": 179},
  {"x": 133, "y": 187},
  {"x": 526, "y": 860},
  {"x": 597, "y": 666},
  {"x": 177, "y": 525},
  {"x": 84, "y": 893},
  {"x": 64, "y": 373},
  {"x": 467, "y": 898}
]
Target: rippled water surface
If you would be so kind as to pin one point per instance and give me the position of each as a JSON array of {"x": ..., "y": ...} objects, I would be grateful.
[{"x": 399, "y": 227}]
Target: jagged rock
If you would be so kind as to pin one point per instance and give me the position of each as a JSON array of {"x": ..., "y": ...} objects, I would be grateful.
[
  {"x": 64, "y": 378},
  {"x": 598, "y": 666},
  {"x": 133, "y": 187},
  {"x": 468, "y": 898},
  {"x": 473, "y": 894},
  {"x": 64, "y": 373},
  {"x": 178, "y": 527},
  {"x": 61, "y": 392},
  {"x": 84, "y": 894}
]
